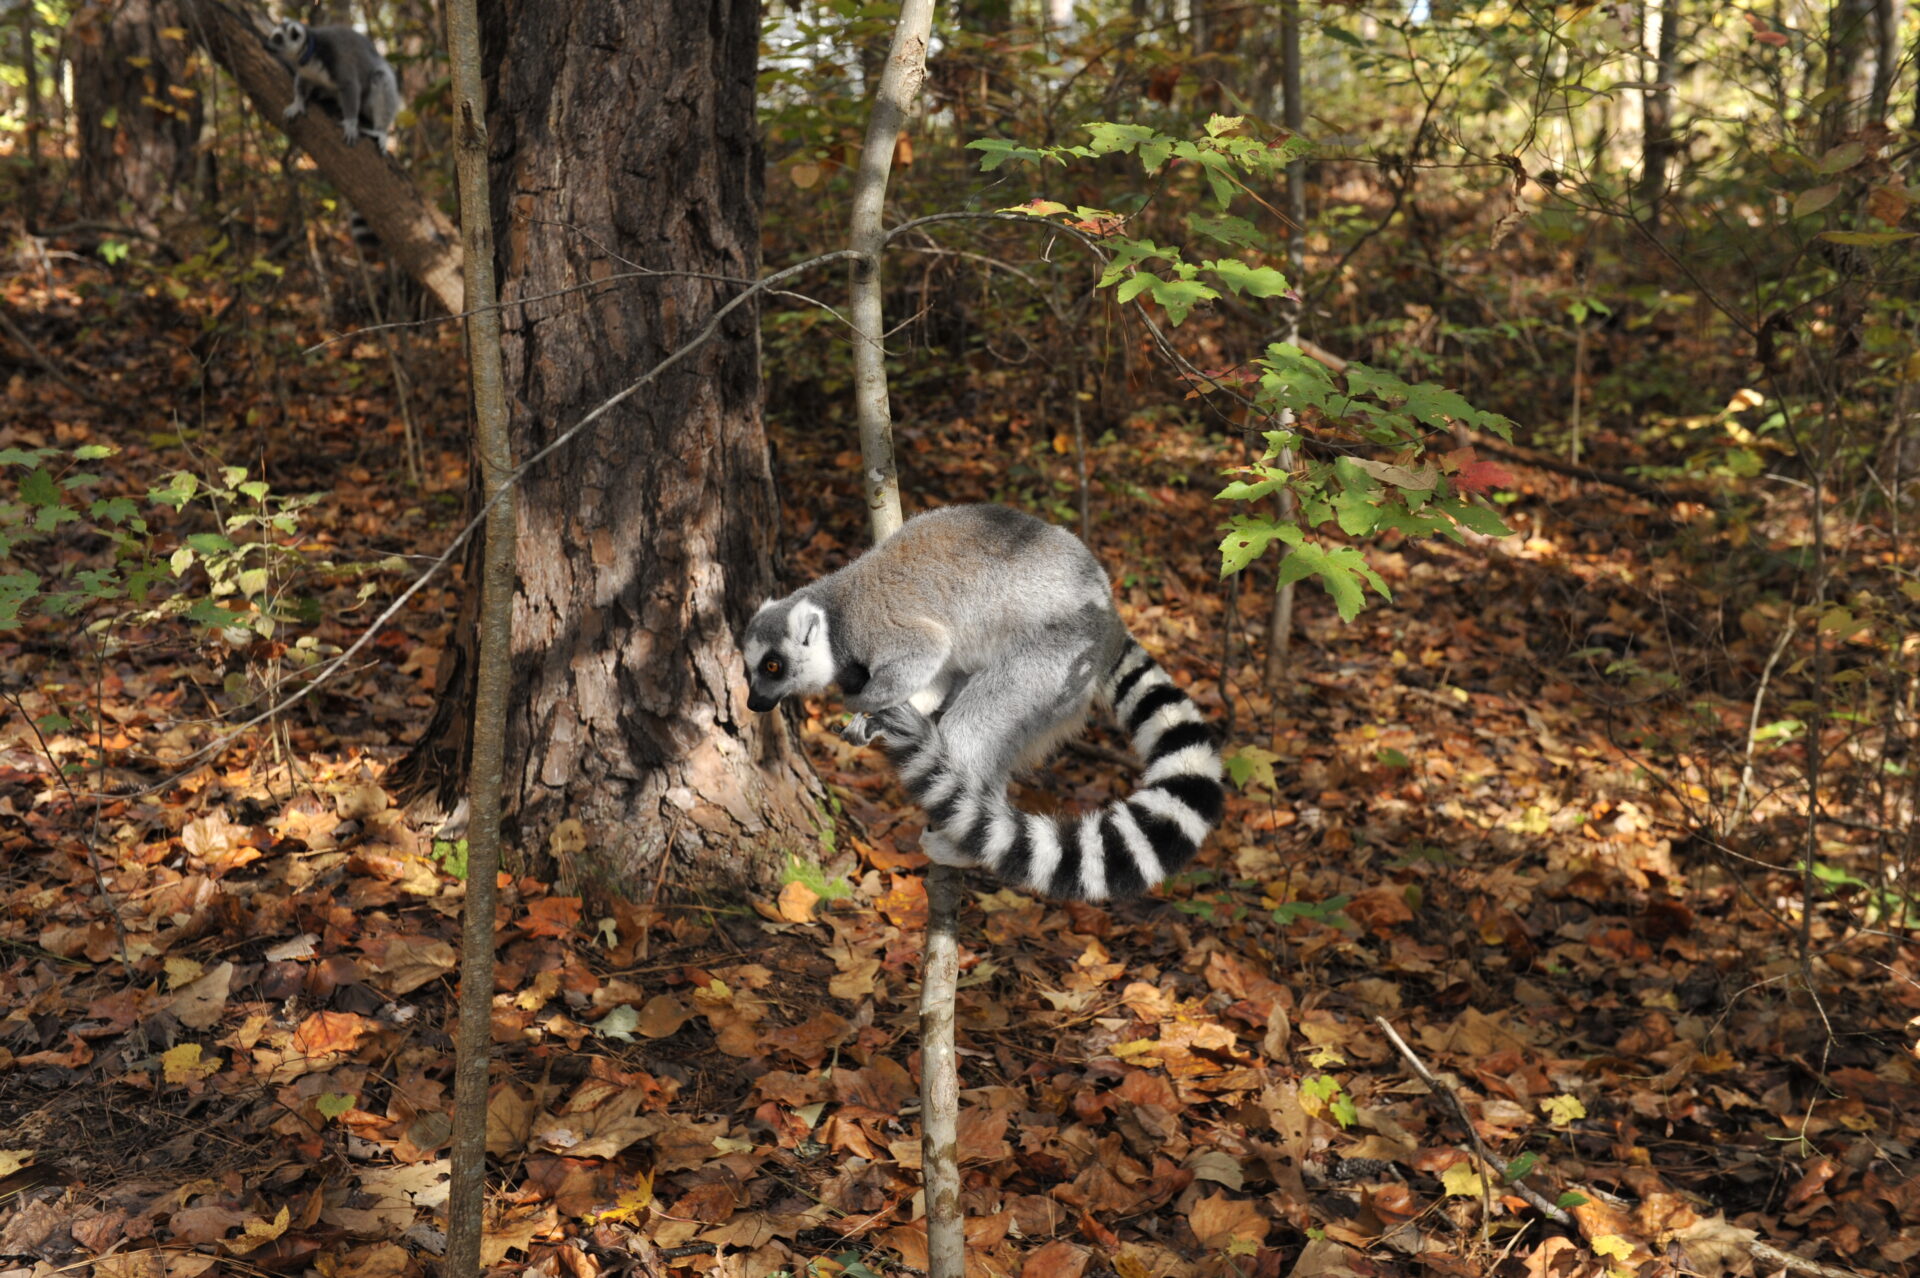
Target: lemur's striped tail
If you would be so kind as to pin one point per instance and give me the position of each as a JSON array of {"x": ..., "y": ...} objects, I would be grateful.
[{"x": 1119, "y": 850}]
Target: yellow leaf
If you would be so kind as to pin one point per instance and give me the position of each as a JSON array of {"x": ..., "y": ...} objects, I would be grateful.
[
  {"x": 1136, "y": 1047},
  {"x": 804, "y": 175},
  {"x": 631, "y": 1205},
  {"x": 1463, "y": 1180},
  {"x": 258, "y": 1233},
  {"x": 12, "y": 1160},
  {"x": 1613, "y": 1245},
  {"x": 183, "y": 971},
  {"x": 1562, "y": 1110},
  {"x": 182, "y": 1064}
]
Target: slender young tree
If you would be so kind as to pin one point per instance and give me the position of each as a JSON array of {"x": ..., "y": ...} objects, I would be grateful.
[
  {"x": 646, "y": 544},
  {"x": 466, "y": 1196},
  {"x": 1659, "y": 143}
]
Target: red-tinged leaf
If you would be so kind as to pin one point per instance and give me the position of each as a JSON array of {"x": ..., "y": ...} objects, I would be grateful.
[
  {"x": 1482, "y": 477},
  {"x": 1773, "y": 38},
  {"x": 553, "y": 916}
]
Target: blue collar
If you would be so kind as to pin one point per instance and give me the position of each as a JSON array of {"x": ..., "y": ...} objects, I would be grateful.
[{"x": 307, "y": 51}]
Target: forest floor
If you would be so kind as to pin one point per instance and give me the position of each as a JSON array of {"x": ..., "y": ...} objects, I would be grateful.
[{"x": 1474, "y": 818}]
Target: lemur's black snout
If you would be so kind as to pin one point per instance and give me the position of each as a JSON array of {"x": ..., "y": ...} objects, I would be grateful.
[{"x": 761, "y": 704}]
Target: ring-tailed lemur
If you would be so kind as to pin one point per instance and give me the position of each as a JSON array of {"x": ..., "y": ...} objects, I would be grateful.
[
  {"x": 1004, "y": 627},
  {"x": 342, "y": 63}
]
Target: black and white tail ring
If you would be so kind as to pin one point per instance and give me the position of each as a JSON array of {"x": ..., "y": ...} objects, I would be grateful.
[{"x": 1119, "y": 850}]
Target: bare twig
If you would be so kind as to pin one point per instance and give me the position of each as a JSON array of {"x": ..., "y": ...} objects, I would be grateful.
[
  {"x": 466, "y": 1200},
  {"x": 939, "y": 1076},
  {"x": 1556, "y": 1214},
  {"x": 899, "y": 85},
  {"x": 39, "y": 357},
  {"x": 93, "y": 857},
  {"x": 1753, "y": 723},
  {"x": 1787, "y": 1260}
]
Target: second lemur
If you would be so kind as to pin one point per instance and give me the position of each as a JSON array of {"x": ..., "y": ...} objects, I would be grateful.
[
  {"x": 342, "y": 63},
  {"x": 974, "y": 640}
]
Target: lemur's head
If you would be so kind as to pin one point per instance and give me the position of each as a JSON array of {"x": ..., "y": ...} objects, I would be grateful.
[
  {"x": 787, "y": 652},
  {"x": 287, "y": 41}
]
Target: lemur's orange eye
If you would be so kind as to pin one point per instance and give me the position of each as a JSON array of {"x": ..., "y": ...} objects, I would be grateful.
[{"x": 770, "y": 666}]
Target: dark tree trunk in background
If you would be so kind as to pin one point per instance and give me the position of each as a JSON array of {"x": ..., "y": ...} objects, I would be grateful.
[
  {"x": 1659, "y": 144},
  {"x": 1849, "y": 23},
  {"x": 1886, "y": 58},
  {"x": 137, "y": 108},
  {"x": 628, "y": 128}
]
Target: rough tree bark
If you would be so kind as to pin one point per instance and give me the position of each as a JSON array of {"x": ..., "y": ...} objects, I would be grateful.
[
  {"x": 416, "y": 234},
  {"x": 645, "y": 545},
  {"x": 137, "y": 111}
]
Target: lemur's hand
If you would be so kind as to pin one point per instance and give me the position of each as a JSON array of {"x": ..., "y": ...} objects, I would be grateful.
[{"x": 860, "y": 730}]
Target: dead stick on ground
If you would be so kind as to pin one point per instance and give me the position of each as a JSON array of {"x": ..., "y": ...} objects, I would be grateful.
[
  {"x": 1763, "y": 1252},
  {"x": 12, "y": 330},
  {"x": 1770, "y": 1255},
  {"x": 1556, "y": 1214}
]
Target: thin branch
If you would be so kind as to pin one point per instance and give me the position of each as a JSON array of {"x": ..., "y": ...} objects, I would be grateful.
[
  {"x": 1753, "y": 723},
  {"x": 899, "y": 88},
  {"x": 93, "y": 857},
  {"x": 12, "y": 330},
  {"x": 1556, "y": 1214},
  {"x": 486, "y": 376}
]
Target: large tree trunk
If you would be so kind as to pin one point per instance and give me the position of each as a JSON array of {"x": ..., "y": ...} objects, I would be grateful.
[
  {"x": 623, "y": 133},
  {"x": 138, "y": 111}
]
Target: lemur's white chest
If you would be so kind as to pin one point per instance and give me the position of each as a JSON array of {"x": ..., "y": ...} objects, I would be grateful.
[{"x": 315, "y": 73}]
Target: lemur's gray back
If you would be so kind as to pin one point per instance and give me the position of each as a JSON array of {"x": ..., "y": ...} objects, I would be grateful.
[{"x": 992, "y": 574}]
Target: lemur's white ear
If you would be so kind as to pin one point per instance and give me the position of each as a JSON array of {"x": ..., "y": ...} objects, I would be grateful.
[{"x": 804, "y": 622}]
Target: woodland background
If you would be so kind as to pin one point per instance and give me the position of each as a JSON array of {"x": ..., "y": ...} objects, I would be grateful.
[{"x": 1611, "y": 818}]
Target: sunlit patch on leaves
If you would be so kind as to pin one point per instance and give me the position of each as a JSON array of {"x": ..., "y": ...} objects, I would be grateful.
[
  {"x": 184, "y": 1063},
  {"x": 1463, "y": 1180},
  {"x": 451, "y": 857},
  {"x": 1562, "y": 1111}
]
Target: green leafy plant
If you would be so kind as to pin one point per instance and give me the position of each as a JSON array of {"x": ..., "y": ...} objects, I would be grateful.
[
  {"x": 1323, "y": 425},
  {"x": 1325, "y": 1089}
]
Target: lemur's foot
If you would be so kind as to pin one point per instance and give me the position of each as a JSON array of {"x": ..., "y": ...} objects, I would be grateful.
[
  {"x": 902, "y": 724},
  {"x": 942, "y": 850}
]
